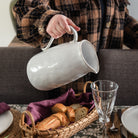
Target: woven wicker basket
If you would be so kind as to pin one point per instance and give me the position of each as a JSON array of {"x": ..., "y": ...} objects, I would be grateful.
[{"x": 65, "y": 132}]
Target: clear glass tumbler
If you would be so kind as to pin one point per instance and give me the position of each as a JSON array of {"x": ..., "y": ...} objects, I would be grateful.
[{"x": 104, "y": 94}]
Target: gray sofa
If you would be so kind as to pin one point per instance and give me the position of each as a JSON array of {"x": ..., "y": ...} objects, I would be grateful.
[{"x": 120, "y": 66}]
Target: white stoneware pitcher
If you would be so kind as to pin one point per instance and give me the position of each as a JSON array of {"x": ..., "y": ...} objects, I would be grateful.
[{"x": 62, "y": 64}]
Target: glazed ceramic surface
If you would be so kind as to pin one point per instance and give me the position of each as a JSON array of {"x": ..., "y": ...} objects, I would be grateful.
[
  {"x": 6, "y": 120},
  {"x": 62, "y": 64},
  {"x": 130, "y": 119}
]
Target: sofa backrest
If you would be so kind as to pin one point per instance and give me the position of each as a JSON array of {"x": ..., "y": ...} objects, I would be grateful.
[
  {"x": 14, "y": 84},
  {"x": 120, "y": 66}
]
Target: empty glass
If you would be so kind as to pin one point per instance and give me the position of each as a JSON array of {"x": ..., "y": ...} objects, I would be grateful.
[{"x": 104, "y": 95}]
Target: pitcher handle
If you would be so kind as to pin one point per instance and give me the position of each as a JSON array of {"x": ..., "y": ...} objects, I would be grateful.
[{"x": 75, "y": 39}]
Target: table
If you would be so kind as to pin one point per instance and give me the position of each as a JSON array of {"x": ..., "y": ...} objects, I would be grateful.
[{"x": 92, "y": 131}]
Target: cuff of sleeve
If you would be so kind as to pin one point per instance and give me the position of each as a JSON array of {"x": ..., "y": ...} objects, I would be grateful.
[{"x": 44, "y": 21}]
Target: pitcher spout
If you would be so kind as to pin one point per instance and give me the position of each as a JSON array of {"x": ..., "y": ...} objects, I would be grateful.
[
  {"x": 95, "y": 70},
  {"x": 90, "y": 57}
]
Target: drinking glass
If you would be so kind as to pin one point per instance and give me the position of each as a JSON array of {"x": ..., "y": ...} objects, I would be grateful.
[{"x": 104, "y": 95}]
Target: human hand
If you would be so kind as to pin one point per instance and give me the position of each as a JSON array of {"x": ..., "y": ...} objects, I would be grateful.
[{"x": 59, "y": 25}]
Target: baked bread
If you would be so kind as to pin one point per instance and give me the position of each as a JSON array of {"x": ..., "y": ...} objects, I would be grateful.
[
  {"x": 75, "y": 106},
  {"x": 50, "y": 122},
  {"x": 63, "y": 118},
  {"x": 70, "y": 114},
  {"x": 59, "y": 107},
  {"x": 53, "y": 121},
  {"x": 80, "y": 113}
]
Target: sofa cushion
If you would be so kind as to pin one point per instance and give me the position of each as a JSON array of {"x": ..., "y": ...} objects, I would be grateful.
[
  {"x": 117, "y": 65},
  {"x": 14, "y": 84},
  {"x": 121, "y": 66}
]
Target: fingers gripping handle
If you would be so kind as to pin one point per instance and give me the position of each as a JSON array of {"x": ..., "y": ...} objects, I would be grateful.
[{"x": 75, "y": 39}]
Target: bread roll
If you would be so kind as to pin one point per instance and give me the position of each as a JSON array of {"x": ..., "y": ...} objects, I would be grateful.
[
  {"x": 80, "y": 113},
  {"x": 49, "y": 122},
  {"x": 59, "y": 107},
  {"x": 75, "y": 106},
  {"x": 70, "y": 113},
  {"x": 63, "y": 118}
]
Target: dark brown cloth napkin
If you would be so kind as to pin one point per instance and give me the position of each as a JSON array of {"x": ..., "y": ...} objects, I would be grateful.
[
  {"x": 42, "y": 109},
  {"x": 4, "y": 107}
]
